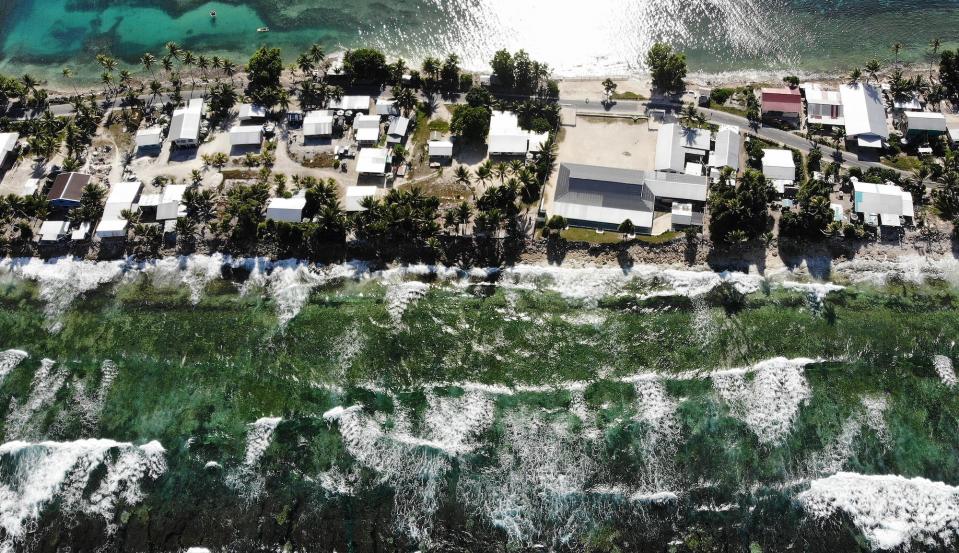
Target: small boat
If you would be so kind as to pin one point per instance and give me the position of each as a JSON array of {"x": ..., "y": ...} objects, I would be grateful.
[
  {"x": 212, "y": 13},
  {"x": 263, "y": 30}
]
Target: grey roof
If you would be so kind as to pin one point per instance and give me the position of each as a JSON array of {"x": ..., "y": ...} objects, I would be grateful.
[
  {"x": 603, "y": 191},
  {"x": 677, "y": 186},
  {"x": 399, "y": 127}
]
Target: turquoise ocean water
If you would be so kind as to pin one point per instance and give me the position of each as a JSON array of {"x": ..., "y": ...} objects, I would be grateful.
[{"x": 601, "y": 37}]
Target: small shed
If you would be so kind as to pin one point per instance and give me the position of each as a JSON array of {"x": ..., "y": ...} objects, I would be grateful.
[
  {"x": 51, "y": 231},
  {"x": 440, "y": 148},
  {"x": 151, "y": 137},
  {"x": 246, "y": 135},
  {"x": 372, "y": 161},
  {"x": 351, "y": 103},
  {"x": 366, "y": 129},
  {"x": 82, "y": 232},
  {"x": 287, "y": 210},
  {"x": 122, "y": 195},
  {"x": 397, "y": 131},
  {"x": 386, "y": 107},
  {"x": 185, "y": 126},
  {"x": 170, "y": 202},
  {"x": 925, "y": 123},
  {"x": 251, "y": 112}
]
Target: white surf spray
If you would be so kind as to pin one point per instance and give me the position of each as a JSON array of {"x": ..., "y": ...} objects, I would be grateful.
[
  {"x": 247, "y": 478},
  {"x": 769, "y": 404},
  {"x": 943, "y": 366},
  {"x": 64, "y": 472},
  {"x": 832, "y": 458},
  {"x": 9, "y": 360},
  {"x": 891, "y": 511},
  {"x": 47, "y": 381}
]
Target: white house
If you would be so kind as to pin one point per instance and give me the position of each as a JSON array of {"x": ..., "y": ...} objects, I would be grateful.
[
  {"x": 8, "y": 141},
  {"x": 151, "y": 137},
  {"x": 440, "y": 148},
  {"x": 170, "y": 205},
  {"x": 864, "y": 114},
  {"x": 122, "y": 195},
  {"x": 372, "y": 161},
  {"x": 288, "y": 210},
  {"x": 246, "y": 135},
  {"x": 318, "y": 123},
  {"x": 823, "y": 106},
  {"x": 354, "y": 195},
  {"x": 185, "y": 126},
  {"x": 603, "y": 197},
  {"x": 677, "y": 145},
  {"x": 727, "y": 149},
  {"x": 677, "y": 186},
  {"x": 779, "y": 167},
  {"x": 82, "y": 232},
  {"x": 248, "y": 112},
  {"x": 887, "y": 201},
  {"x": 366, "y": 129},
  {"x": 51, "y": 231},
  {"x": 351, "y": 103},
  {"x": 505, "y": 136}
]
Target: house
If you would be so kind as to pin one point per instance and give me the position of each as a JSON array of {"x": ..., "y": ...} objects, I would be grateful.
[
  {"x": 171, "y": 200},
  {"x": 909, "y": 104},
  {"x": 366, "y": 129},
  {"x": 351, "y": 103},
  {"x": 354, "y": 197},
  {"x": 51, "y": 231},
  {"x": 954, "y": 135},
  {"x": 385, "y": 108},
  {"x": 505, "y": 136},
  {"x": 67, "y": 189},
  {"x": 823, "y": 106},
  {"x": 151, "y": 137},
  {"x": 887, "y": 201},
  {"x": 246, "y": 135},
  {"x": 668, "y": 187},
  {"x": 287, "y": 210},
  {"x": 372, "y": 161},
  {"x": 82, "y": 232},
  {"x": 397, "y": 131},
  {"x": 318, "y": 123},
  {"x": 537, "y": 140},
  {"x": 440, "y": 149},
  {"x": 864, "y": 114},
  {"x": 779, "y": 167},
  {"x": 8, "y": 143},
  {"x": 185, "y": 126},
  {"x": 726, "y": 150},
  {"x": 122, "y": 195},
  {"x": 924, "y": 124},
  {"x": 782, "y": 103},
  {"x": 251, "y": 112},
  {"x": 603, "y": 197},
  {"x": 677, "y": 145}
]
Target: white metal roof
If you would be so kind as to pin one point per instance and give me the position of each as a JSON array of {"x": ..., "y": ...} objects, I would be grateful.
[
  {"x": 186, "y": 121},
  {"x": 366, "y": 122},
  {"x": 289, "y": 210},
  {"x": 246, "y": 135},
  {"x": 677, "y": 186},
  {"x": 442, "y": 148},
  {"x": 151, "y": 136},
  {"x": 816, "y": 94},
  {"x": 728, "y": 146},
  {"x": 536, "y": 141},
  {"x": 505, "y": 136},
  {"x": 169, "y": 207},
  {"x": 925, "y": 121},
  {"x": 353, "y": 103},
  {"x": 30, "y": 186},
  {"x": 863, "y": 110},
  {"x": 910, "y": 104},
  {"x": 354, "y": 195},
  {"x": 367, "y": 134},
  {"x": 954, "y": 134},
  {"x": 318, "y": 123},
  {"x": 50, "y": 231},
  {"x": 871, "y": 198},
  {"x": 385, "y": 107},
  {"x": 8, "y": 141},
  {"x": 672, "y": 143},
  {"x": 111, "y": 228},
  {"x": 251, "y": 111},
  {"x": 605, "y": 215},
  {"x": 82, "y": 231},
  {"x": 121, "y": 197},
  {"x": 372, "y": 161}
]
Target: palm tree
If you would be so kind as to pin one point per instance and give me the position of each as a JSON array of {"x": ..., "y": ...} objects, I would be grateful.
[
  {"x": 68, "y": 75},
  {"x": 872, "y": 68},
  {"x": 173, "y": 50},
  {"x": 838, "y": 136},
  {"x": 189, "y": 59},
  {"x": 305, "y": 64},
  {"x": 167, "y": 64},
  {"x": 464, "y": 212},
  {"x": 463, "y": 176},
  {"x": 316, "y": 53},
  {"x": 501, "y": 170},
  {"x": 897, "y": 47},
  {"x": 484, "y": 173},
  {"x": 855, "y": 76},
  {"x": 404, "y": 98},
  {"x": 230, "y": 68},
  {"x": 155, "y": 89},
  {"x": 203, "y": 64},
  {"x": 147, "y": 60}
]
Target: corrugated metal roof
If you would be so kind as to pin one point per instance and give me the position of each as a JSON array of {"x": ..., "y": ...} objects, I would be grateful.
[
  {"x": 864, "y": 111},
  {"x": 603, "y": 195}
]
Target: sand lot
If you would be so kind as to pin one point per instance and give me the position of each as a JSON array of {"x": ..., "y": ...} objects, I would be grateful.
[{"x": 608, "y": 142}]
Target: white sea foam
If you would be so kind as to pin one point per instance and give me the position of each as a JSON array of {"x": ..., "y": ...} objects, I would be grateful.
[
  {"x": 47, "y": 381},
  {"x": 259, "y": 438},
  {"x": 832, "y": 458},
  {"x": 943, "y": 366},
  {"x": 769, "y": 404},
  {"x": 247, "y": 478},
  {"x": 891, "y": 511},
  {"x": 9, "y": 360},
  {"x": 63, "y": 471}
]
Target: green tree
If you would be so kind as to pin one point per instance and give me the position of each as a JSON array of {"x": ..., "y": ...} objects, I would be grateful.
[
  {"x": 365, "y": 64},
  {"x": 471, "y": 123},
  {"x": 668, "y": 68},
  {"x": 263, "y": 71},
  {"x": 504, "y": 69},
  {"x": 739, "y": 213}
]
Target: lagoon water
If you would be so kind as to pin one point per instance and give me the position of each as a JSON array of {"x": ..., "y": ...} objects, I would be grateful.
[{"x": 576, "y": 38}]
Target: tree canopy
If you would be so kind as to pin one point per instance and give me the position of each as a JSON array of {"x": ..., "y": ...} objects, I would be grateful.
[
  {"x": 472, "y": 123},
  {"x": 739, "y": 213},
  {"x": 366, "y": 64},
  {"x": 263, "y": 71},
  {"x": 668, "y": 68}
]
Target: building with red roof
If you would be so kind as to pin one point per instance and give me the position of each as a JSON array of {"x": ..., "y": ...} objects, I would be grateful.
[{"x": 784, "y": 103}]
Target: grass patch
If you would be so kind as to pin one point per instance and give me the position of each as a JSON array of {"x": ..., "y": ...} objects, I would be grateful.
[
  {"x": 903, "y": 163},
  {"x": 439, "y": 125},
  {"x": 591, "y": 236},
  {"x": 238, "y": 174},
  {"x": 727, "y": 109},
  {"x": 319, "y": 161},
  {"x": 660, "y": 239},
  {"x": 628, "y": 95}
]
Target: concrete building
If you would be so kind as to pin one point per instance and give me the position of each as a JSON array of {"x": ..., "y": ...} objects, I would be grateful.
[
  {"x": 67, "y": 189},
  {"x": 865, "y": 115},
  {"x": 185, "y": 126},
  {"x": 823, "y": 106}
]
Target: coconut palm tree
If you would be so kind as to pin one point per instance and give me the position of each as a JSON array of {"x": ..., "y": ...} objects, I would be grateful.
[
  {"x": 148, "y": 60},
  {"x": 484, "y": 173},
  {"x": 68, "y": 75},
  {"x": 189, "y": 60},
  {"x": 897, "y": 48},
  {"x": 463, "y": 176},
  {"x": 203, "y": 63},
  {"x": 229, "y": 68},
  {"x": 872, "y": 68},
  {"x": 173, "y": 50},
  {"x": 305, "y": 64},
  {"x": 855, "y": 76},
  {"x": 155, "y": 89},
  {"x": 404, "y": 98},
  {"x": 501, "y": 170}
]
